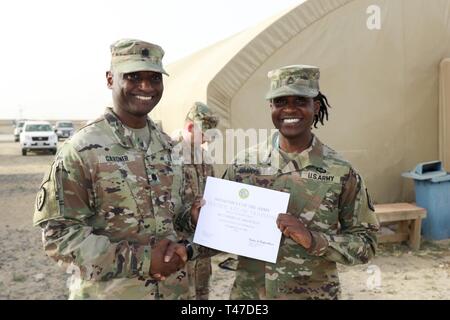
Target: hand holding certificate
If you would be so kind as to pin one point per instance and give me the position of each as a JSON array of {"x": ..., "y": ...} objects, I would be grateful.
[{"x": 241, "y": 219}]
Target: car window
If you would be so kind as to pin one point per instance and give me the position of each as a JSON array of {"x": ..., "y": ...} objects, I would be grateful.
[
  {"x": 65, "y": 125},
  {"x": 21, "y": 124},
  {"x": 38, "y": 127}
]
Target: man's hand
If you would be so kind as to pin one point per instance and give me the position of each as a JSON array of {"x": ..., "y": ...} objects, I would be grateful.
[
  {"x": 293, "y": 228},
  {"x": 167, "y": 258},
  {"x": 195, "y": 210}
]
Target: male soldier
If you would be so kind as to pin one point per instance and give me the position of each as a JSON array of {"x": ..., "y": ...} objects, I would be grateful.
[
  {"x": 106, "y": 206},
  {"x": 330, "y": 217},
  {"x": 199, "y": 119}
]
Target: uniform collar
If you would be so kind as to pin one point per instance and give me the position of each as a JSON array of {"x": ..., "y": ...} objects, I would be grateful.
[
  {"x": 313, "y": 156},
  {"x": 158, "y": 140}
]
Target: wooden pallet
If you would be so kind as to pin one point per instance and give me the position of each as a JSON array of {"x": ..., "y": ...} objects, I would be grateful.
[{"x": 408, "y": 217}]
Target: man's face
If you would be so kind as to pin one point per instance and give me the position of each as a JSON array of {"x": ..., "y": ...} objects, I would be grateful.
[
  {"x": 293, "y": 116},
  {"x": 135, "y": 93}
]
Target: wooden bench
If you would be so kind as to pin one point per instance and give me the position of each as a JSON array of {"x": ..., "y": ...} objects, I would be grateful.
[{"x": 408, "y": 217}]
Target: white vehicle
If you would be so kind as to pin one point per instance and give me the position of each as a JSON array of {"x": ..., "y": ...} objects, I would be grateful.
[
  {"x": 38, "y": 135},
  {"x": 18, "y": 130},
  {"x": 64, "y": 129}
]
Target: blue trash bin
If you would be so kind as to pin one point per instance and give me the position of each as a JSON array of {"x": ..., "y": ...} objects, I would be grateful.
[{"x": 432, "y": 186}]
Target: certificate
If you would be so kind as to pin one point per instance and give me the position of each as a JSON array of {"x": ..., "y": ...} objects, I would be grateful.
[{"x": 241, "y": 219}]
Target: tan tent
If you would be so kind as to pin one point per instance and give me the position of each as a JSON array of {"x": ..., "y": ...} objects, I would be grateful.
[{"x": 383, "y": 83}]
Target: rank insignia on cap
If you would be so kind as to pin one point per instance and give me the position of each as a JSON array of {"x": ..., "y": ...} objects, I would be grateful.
[
  {"x": 40, "y": 199},
  {"x": 295, "y": 80},
  {"x": 145, "y": 53},
  {"x": 133, "y": 55}
]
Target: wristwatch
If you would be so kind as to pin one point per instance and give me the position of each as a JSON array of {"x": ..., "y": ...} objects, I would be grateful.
[{"x": 188, "y": 246}]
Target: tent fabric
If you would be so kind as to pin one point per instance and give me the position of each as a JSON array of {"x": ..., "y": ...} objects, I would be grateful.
[
  {"x": 383, "y": 84},
  {"x": 444, "y": 113},
  {"x": 192, "y": 76},
  {"x": 230, "y": 79}
]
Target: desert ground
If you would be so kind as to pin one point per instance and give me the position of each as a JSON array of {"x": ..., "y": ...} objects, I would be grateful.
[{"x": 26, "y": 273}]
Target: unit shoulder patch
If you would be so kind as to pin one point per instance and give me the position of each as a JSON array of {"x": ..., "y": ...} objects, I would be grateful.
[{"x": 40, "y": 199}]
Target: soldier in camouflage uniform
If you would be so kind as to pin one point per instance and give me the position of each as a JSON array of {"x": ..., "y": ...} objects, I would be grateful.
[
  {"x": 199, "y": 119},
  {"x": 330, "y": 217},
  {"x": 107, "y": 205}
]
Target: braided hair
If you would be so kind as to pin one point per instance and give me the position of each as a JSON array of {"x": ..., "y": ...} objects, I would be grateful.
[{"x": 323, "y": 111}]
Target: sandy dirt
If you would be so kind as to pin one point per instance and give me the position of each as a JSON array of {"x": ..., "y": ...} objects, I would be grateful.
[{"x": 26, "y": 273}]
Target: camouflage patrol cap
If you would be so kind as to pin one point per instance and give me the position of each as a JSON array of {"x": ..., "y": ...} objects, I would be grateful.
[
  {"x": 201, "y": 112},
  {"x": 131, "y": 55},
  {"x": 295, "y": 80}
]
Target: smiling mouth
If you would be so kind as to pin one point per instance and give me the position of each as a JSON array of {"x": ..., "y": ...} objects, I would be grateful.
[
  {"x": 143, "y": 98},
  {"x": 291, "y": 120}
]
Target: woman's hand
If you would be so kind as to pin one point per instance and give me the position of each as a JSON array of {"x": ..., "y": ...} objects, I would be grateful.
[{"x": 293, "y": 228}]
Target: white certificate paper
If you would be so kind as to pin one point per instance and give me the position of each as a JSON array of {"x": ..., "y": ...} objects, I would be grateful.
[{"x": 241, "y": 219}]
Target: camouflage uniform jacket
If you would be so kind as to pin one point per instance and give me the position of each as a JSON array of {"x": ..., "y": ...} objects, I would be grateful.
[
  {"x": 330, "y": 198},
  {"x": 103, "y": 205},
  {"x": 194, "y": 180},
  {"x": 194, "y": 172}
]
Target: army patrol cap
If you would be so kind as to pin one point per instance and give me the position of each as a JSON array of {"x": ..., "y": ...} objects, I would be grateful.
[
  {"x": 201, "y": 112},
  {"x": 131, "y": 55},
  {"x": 295, "y": 80}
]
